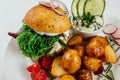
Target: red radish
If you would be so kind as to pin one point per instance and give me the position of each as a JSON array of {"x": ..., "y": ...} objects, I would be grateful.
[
  {"x": 109, "y": 29},
  {"x": 116, "y": 35},
  {"x": 117, "y": 41}
]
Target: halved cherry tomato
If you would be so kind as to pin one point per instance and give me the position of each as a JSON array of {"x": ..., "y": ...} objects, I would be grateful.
[
  {"x": 41, "y": 75},
  {"x": 35, "y": 67},
  {"x": 46, "y": 62},
  {"x": 34, "y": 73}
]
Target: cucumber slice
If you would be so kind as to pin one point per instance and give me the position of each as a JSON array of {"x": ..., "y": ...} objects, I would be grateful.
[
  {"x": 74, "y": 8},
  {"x": 81, "y": 4},
  {"x": 95, "y": 7}
]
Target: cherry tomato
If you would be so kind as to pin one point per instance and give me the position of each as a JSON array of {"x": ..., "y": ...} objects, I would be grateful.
[
  {"x": 46, "y": 63},
  {"x": 34, "y": 73},
  {"x": 35, "y": 66},
  {"x": 41, "y": 75}
]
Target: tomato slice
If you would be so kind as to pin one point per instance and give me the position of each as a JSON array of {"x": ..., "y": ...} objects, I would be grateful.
[
  {"x": 41, "y": 75},
  {"x": 35, "y": 67}
]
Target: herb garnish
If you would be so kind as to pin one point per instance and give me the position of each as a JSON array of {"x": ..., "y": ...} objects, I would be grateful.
[
  {"x": 108, "y": 68},
  {"x": 117, "y": 49},
  {"x": 107, "y": 74},
  {"x": 87, "y": 19}
]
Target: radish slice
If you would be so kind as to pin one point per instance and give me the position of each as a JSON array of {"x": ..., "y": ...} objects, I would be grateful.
[
  {"x": 116, "y": 35},
  {"x": 61, "y": 5},
  {"x": 109, "y": 29},
  {"x": 117, "y": 41}
]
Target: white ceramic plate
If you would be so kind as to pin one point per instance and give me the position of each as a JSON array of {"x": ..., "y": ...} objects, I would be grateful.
[{"x": 15, "y": 63}]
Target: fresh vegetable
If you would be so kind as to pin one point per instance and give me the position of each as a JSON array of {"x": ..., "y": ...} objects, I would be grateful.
[
  {"x": 116, "y": 34},
  {"x": 34, "y": 45},
  {"x": 113, "y": 32},
  {"x": 61, "y": 5},
  {"x": 109, "y": 29},
  {"x": 80, "y": 7},
  {"x": 34, "y": 66},
  {"x": 41, "y": 75},
  {"x": 45, "y": 4},
  {"x": 74, "y": 8},
  {"x": 14, "y": 35},
  {"x": 46, "y": 62},
  {"x": 94, "y": 7},
  {"x": 87, "y": 19},
  {"x": 34, "y": 69},
  {"x": 37, "y": 73},
  {"x": 55, "y": 4},
  {"x": 117, "y": 41}
]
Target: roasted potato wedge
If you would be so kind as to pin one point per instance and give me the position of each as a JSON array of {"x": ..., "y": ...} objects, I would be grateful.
[
  {"x": 75, "y": 40},
  {"x": 96, "y": 47},
  {"x": 71, "y": 61},
  {"x": 101, "y": 39},
  {"x": 92, "y": 64},
  {"x": 109, "y": 55},
  {"x": 57, "y": 69},
  {"x": 67, "y": 77},
  {"x": 80, "y": 50}
]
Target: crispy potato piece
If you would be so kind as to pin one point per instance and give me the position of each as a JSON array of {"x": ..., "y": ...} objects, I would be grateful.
[
  {"x": 85, "y": 74},
  {"x": 57, "y": 69},
  {"x": 101, "y": 39},
  {"x": 109, "y": 55},
  {"x": 96, "y": 47},
  {"x": 92, "y": 63},
  {"x": 71, "y": 62},
  {"x": 80, "y": 50},
  {"x": 75, "y": 40},
  {"x": 67, "y": 77}
]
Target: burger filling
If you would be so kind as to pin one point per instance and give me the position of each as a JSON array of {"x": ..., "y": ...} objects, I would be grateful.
[{"x": 35, "y": 45}]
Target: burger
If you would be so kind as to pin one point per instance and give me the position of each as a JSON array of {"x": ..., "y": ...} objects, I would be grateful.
[{"x": 44, "y": 32}]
